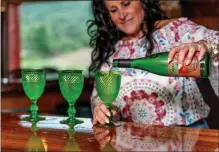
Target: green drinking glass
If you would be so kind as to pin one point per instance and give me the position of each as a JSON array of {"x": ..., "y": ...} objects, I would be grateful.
[
  {"x": 71, "y": 84},
  {"x": 108, "y": 86},
  {"x": 33, "y": 81}
]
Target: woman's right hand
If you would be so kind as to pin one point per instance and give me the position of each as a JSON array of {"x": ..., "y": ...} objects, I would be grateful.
[{"x": 101, "y": 114}]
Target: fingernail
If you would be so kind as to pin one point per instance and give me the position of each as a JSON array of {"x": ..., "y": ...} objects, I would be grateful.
[
  {"x": 179, "y": 66},
  {"x": 168, "y": 60},
  {"x": 187, "y": 62},
  {"x": 215, "y": 63},
  {"x": 199, "y": 58},
  {"x": 107, "y": 121},
  {"x": 108, "y": 114},
  {"x": 215, "y": 51}
]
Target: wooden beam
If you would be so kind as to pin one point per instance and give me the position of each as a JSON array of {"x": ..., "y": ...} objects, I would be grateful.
[
  {"x": 13, "y": 35},
  {"x": 4, "y": 46}
]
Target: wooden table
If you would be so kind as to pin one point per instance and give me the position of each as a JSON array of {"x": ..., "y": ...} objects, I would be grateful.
[{"x": 52, "y": 136}]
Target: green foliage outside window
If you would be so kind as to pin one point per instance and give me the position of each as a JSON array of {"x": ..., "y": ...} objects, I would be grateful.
[{"x": 50, "y": 29}]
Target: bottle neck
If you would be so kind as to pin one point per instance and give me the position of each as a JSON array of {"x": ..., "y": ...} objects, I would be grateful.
[{"x": 125, "y": 63}]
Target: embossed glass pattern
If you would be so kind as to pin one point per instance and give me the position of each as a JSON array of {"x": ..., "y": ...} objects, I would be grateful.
[
  {"x": 71, "y": 84},
  {"x": 33, "y": 81},
  {"x": 108, "y": 86}
]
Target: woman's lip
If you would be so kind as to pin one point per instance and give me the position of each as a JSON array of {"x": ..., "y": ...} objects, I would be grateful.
[{"x": 126, "y": 21}]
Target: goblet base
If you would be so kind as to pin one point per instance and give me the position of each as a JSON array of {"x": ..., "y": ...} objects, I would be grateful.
[
  {"x": 109, "y": 125},
  {"x": 31, "y": 119},
  {"x": 70, "y": 122}
]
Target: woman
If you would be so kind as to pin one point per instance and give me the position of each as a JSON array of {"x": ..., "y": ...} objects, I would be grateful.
[{"x": 126, "y": 29}]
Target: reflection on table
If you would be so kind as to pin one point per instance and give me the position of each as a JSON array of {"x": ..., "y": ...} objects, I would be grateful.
[
  {"x": 50, "y": 135},
  {"x": 35, "y": 143},
  {"x": 138, "y": 137}
]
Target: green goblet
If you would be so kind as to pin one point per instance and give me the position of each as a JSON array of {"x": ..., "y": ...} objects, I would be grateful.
[
  {"x": 108, "y": 86},
  {"x": 71, "y": 84},
  {"x": 33, "y": 81}
]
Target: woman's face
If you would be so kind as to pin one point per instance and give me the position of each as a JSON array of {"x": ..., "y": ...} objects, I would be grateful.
[{"x": 127, "y": 15}]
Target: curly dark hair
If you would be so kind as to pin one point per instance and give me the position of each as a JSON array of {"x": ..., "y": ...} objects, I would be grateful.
[{"x": 104, "y": 34}]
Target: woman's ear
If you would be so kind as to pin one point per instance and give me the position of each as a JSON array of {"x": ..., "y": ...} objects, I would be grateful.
[{"x": 161, "y": 23}]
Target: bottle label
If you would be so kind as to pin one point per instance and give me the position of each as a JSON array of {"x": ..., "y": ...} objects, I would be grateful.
[{"x": 191, "y": 70}]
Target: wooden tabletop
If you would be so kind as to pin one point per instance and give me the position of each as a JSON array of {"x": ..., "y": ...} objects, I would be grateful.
[{"x": 50, "y": 135}]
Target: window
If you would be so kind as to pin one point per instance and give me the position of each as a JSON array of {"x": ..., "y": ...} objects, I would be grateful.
[{"x": 54, "y": 35}]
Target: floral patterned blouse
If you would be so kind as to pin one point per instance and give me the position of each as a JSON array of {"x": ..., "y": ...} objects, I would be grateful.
[{"x": 148, "y": 98}]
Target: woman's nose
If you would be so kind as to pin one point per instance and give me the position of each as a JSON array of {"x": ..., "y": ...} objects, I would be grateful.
[{"x": 122, "y": 15}]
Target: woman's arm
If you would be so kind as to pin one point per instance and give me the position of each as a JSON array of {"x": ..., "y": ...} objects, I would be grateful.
[
  {"x": 212, "y": 39},
  {"x": 184, "y": 31}
]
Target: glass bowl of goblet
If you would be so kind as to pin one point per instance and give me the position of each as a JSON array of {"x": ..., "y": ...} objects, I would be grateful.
[
  {"x": 71, "y": 84},
  {"x": 108, "y": 86},
  {"x": 33, "y": 81}
]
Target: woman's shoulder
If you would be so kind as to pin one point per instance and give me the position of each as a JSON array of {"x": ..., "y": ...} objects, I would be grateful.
[
  {"x": 178, "y": 27},
  {"x": 173, "y": 31},
  {"x": 173, "y": 23}
]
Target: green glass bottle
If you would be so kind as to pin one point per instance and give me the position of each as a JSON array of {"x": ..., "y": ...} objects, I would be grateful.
[{"x": 158, "y": 64}]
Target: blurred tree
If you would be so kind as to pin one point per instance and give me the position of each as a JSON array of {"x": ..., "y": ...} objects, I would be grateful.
[
  {"x": 51, "y": 28},
  {"x": 38, "y": 39}
]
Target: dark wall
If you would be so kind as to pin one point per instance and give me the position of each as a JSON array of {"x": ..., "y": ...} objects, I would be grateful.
[
  {"x": 199, "y": 8},
  {"x": 4, "y": 57}
]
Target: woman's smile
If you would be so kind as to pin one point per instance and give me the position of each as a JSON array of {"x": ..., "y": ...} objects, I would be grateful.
[
  {"x": 127, "y": 16},
  {"x": 127, "y": 22}
]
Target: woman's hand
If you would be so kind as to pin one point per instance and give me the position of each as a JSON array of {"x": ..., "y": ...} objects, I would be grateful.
[
  {"x": 187, "y": 52},
  {"x": 101, "y": 114}
]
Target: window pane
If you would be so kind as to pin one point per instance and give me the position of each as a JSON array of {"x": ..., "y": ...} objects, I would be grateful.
[{"x": 54, "y": 35}]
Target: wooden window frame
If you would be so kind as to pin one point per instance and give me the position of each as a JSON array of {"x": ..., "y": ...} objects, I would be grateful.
[{"x": 14, "y": 45}]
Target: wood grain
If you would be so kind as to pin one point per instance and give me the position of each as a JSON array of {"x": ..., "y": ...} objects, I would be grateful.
[{"x": 128, "y": 137}]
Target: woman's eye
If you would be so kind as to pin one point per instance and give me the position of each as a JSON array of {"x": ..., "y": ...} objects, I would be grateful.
[
  {"x": 113, "y": 10},
  {"x": 126, "y": 3}
]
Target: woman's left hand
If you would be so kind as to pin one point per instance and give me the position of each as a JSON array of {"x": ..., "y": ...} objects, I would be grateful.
[{"x": 187, "y": 51}]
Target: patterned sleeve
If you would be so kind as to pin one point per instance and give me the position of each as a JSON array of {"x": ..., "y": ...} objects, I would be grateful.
[
  {"x": 214, "y": 75},
  {"x": 186, "y": 31}
]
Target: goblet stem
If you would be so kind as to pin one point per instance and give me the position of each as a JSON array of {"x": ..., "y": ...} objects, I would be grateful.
[
  {"x": 71, "y": 113},
  {"x": 111, "y": 114},
  {"x": 111, "y": 123},
  {"x": 34, "y": 117},
  {"x": 71, "y": 116},
  {"x": 33, "y": 110}
]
